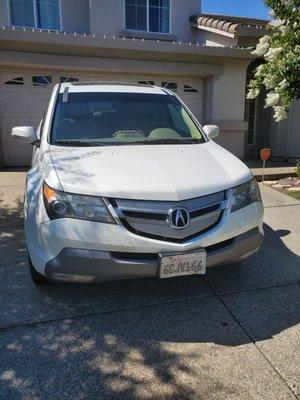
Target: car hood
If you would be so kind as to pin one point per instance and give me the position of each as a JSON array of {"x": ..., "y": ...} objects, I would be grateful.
[{"x": 148, "y": 172}]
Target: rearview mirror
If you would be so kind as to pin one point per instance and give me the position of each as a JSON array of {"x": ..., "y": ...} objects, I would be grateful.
[
  {"x": 24, "y": 134},
  {"x": 212, "y": 131}
]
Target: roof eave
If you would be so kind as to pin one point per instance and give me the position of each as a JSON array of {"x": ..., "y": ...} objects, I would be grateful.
[{"x": 57, "y": 43}]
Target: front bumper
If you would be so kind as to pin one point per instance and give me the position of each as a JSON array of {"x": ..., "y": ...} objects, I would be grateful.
[{"x": 86, "y": 266}]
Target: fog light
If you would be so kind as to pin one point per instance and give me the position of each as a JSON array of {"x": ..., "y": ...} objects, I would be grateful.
[{"x": 58, "y": 276}]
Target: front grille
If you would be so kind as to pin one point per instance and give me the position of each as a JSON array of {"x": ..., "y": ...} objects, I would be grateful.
[{"x": 150, "y": 218}]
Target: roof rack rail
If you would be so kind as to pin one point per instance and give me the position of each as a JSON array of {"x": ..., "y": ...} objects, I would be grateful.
[{"x": 82, "y": 83}]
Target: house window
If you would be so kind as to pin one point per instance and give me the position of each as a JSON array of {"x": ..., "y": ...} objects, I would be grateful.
[
  {"x": 148, "y": 15},
  {"x": 149, "y": 83},
  {"x": 41, "y": 80},
  {"x": 170, "y": 85},
  {"x": 190, "y": 89},
  {"x": 65, "y": 79},
  {"x": 15, "y": 81},
  {"x": 44, "y": 14}
]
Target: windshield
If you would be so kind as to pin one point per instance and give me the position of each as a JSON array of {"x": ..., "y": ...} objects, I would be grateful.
[{"x": 91, "y": 119}]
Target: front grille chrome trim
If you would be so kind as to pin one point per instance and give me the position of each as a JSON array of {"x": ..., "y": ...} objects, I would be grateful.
[{"x": 150, "y": 218}]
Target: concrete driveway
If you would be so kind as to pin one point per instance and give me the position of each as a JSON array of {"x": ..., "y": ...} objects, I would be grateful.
[{"x": 233, "y": 334}]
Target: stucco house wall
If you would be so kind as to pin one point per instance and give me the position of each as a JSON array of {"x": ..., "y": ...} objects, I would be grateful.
[
  {"x": 214, "y": 39},
  {"x": 75, "y": 16},
  {"x": 228, "y": 105},
  {"x": 4, "y": 18}
]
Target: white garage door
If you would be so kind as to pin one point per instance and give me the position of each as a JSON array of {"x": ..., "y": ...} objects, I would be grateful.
[{"x": 24, "y": 96}]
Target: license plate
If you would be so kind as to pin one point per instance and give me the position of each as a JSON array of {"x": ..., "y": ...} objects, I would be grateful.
[{"x": 182, "y": 264}]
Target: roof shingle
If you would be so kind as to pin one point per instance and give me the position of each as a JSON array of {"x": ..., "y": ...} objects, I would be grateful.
[{"x": 226, "y": 23}]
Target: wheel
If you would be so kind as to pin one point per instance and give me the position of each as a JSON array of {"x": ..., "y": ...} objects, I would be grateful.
[{"x": 36, "y": 277}]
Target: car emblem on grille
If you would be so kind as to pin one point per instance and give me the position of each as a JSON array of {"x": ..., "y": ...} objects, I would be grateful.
[{"x": 178, "y": 218}]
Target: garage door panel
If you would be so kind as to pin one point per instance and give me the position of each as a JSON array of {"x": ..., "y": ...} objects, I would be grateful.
[
  {"x": 14, "y": 105},
  {"x": 38, "y": 106},
  {"x": 18, "y": 155},
  {"x": 22, "y": 105}
]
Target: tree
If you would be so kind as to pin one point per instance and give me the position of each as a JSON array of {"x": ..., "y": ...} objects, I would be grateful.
[{"x": 280, "y": 52}]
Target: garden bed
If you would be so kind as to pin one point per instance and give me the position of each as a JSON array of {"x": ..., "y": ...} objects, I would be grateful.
[{"x": 289, "y": 186}]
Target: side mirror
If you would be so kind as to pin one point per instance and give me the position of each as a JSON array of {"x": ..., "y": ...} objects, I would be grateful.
[
  {"x": 25, "y": 134},
  {"x": 212, "y": 131}
]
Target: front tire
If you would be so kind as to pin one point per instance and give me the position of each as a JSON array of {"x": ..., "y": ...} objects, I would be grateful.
[{"x": 36, "y": 277}]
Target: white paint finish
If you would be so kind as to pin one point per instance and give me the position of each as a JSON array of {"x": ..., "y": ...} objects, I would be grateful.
[
  {"x": 77, "y": 88},
  {"x": 157, "y": 172},
  {"x": 151, "y": 172},
  {"x": 25, "y": 134},
  {"x": 51, "y": 237},
  {"x": 212, "y": 131}
]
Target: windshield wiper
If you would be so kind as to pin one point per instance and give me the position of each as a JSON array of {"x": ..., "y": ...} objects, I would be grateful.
[
  {"x": 172, "y": 141},
  {"x": 77, "y": 143}
]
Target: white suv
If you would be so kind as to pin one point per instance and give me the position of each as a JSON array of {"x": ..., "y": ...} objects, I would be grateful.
[{"x": 126, "y": 183}]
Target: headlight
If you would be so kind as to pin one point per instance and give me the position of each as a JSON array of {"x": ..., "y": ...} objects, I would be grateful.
[
  {"x": 245, "y": 194},
  {"x": 67, "y": 205}
]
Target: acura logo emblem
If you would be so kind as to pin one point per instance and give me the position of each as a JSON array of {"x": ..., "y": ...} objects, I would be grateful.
[{"x": 178, "y": 218}]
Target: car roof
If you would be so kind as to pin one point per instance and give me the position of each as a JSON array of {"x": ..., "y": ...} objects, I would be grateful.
[{"x": 113, "y": 87}]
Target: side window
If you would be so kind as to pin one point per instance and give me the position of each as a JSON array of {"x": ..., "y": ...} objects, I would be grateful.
[
  {"x": 177, "y": 119},
  {"x": 182, "y": 122}
]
